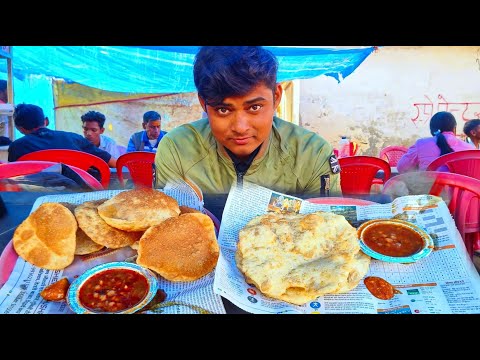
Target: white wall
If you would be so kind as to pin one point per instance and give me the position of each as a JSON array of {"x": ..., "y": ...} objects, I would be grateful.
[{"x": 390, "y": 98}]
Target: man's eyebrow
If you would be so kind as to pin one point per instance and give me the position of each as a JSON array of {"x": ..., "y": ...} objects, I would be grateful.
[
  {"x": 248, "y": 102},
  {"x": 257, "y": 99}
]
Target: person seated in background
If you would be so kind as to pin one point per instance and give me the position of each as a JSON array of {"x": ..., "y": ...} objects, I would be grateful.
[
  {"x": 149, "y": 138},
  {"x": 443, "y": 128},
  {"x": 3, "y": 92},
  {"x": 93, "y": 129},
  {"x": 3, "y": 100},
  {"x": 30, "y": 120},
  {"x": 241, "y": 138},
  {"x": 4, "y": 140},
  {"x": 471, "y": 128}
]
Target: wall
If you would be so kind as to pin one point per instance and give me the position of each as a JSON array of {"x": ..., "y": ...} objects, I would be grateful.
[{"x": 390, "y": 98}]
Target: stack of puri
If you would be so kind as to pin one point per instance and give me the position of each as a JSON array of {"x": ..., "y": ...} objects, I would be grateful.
[
  {"x": 177, "y": 243},
  {"x": 54, "y": 233}
]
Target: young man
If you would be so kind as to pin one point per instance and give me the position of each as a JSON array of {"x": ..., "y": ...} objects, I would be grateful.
[
  {"x": 149, "y": 138},
  {"x": 471, "y": 128},
  {"x": 93, "y": 129},
  {"x": 30, "y": 120},
  {"x": 241, "y": 138}
]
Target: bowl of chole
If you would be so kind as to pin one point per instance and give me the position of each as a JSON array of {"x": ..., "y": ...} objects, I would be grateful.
[{"x": 112, "y": 288}]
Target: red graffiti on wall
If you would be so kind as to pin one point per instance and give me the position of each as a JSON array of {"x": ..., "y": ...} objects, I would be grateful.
[{"x": 463, "y": 111}]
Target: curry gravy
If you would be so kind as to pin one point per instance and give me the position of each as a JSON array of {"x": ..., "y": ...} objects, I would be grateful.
[{"x": 392, "y": 240}]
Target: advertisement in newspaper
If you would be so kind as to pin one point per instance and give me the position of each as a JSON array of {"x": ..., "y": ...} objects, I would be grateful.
[
  {"x": 445, "y": 282},
  {"x": 21, "y": 293}
]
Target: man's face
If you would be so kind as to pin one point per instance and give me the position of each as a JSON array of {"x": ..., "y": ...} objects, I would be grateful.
[
  {"x": 475, "y": 133},
  {"x": 92, "y": 131},
  {"x": 242, "y": 123},
  {"x": 152, "y": 128}
]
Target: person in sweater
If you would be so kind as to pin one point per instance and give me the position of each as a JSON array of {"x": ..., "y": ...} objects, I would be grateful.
[
  {"x": 443, "y": 141},
  {"x": 149, "y": 138}
]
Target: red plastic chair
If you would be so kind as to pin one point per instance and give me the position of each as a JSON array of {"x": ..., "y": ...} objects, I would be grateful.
[
  {"x": 392, "y": 154},
  {"x": 140, "y": 166},
  {"x": 465, "y": 197},
  {"x": 18, "y": 168},
  {"x": 358, "y": 172},
  {"x": 460, "y": 192},
  {"x": 464, "y": 162},
  {"x": 76, "y": 158}
]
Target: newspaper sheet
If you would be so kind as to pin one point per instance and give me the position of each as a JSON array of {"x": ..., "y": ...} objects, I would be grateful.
[
  {"x": 445, "y": 282},
  {"x": 21, "y": 293}
]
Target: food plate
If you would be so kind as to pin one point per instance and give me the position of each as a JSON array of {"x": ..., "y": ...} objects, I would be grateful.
[
  {"x": 394, "y": 240},
  {"x": 141, "y": 281},
  {"x": 9, "y": 257}
]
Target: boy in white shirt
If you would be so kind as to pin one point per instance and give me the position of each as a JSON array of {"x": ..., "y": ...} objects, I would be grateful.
[{"x": 93, "y": 122}]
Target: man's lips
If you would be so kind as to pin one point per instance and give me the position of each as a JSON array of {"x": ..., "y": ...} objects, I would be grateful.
[{"x": 241, "y": 141}]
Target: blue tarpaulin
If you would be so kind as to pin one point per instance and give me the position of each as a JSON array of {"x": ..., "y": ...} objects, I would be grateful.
[
  {"x": 150, "y": 69},
  {"x": 165, "y": 69}
]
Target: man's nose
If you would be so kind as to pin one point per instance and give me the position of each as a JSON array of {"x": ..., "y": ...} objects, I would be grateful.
[{"x": 240, "y": 123}]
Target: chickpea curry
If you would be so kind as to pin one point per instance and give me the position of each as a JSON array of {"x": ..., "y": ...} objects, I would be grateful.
[
  {"x": 392, "y": 239},
  {"x": 113, "y": 290}
]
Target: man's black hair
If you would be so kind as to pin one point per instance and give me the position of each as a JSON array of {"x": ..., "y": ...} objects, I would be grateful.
[
  {"x": 151, "y": 116},
  {"x": 94, "y": 116},
  {"x": 28, "y": 116},
  {"x": 224, "y": 71}
]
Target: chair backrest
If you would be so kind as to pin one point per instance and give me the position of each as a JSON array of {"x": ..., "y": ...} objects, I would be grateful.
[
  {"x": 465, "y": 196},
  {"x": 140, "y": 164},
  {"x": 27, "y": 167},
  {"x": 76, "y": 158},
  {"x": 464, "y": 162},
  {"x": 460, "y": 192},
  {"x": 392, "y": 154},
  {"x": 357, "y": 173}
]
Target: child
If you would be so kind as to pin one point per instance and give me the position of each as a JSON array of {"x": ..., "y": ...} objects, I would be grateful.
[{"x": 472, "y": 130}]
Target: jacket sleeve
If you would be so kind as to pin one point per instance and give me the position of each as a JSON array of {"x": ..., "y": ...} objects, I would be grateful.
[
  {"x": 323, "y": 167},
  {"x": 409, "y": 161}
]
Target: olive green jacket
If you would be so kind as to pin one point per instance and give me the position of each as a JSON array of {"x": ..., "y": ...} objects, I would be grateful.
[{"x": 292, "y": 164}]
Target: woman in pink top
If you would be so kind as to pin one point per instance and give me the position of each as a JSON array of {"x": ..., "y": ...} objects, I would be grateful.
[{"x": 443, "y": 128}]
